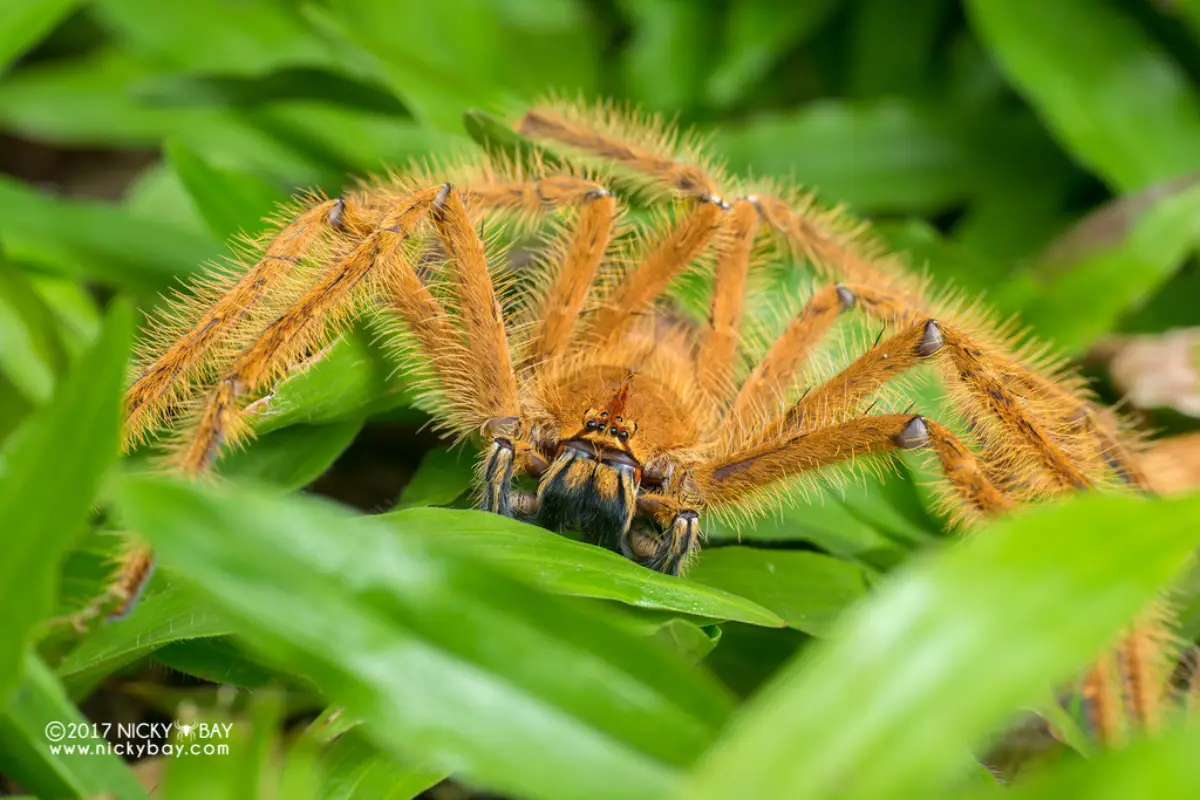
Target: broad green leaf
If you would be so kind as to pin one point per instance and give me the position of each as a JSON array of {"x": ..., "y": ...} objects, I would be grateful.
[
  {"x": 443, "y": 659},
  {"x": 96, "y": 241},
  {"x": 25, "y": 22},
  {"x": 159, "y": 619},
  {"x": 216, "y": 660},
  {"x": 1165, "y": 766},
  {"x": 291, "y": 458},
  {"x": 664, "y": 61},
  {"x": 50, "y": 471},
  {"x": 1116, "y": 277},
  {"x": 690, "y": 640},
  {"x": 351, "y": 377},
  {"x": 945, "y": 653},
  {"x": 31, "y": 351},
  {"x": 230, "y": 202},
  {"x": 443, "y": 476},
  {"x": 565, "y": 566},
  {"x": 894, "y": 46},
  {"x": 355, "y": 768},
  {"x": 220, "y": 35},
  {"x": 28, "y": 743},
  {"x": 880, "y": 156},
  {"x": 1110, "y": 94},
  {"x": 757, "y": 35},
  {"x": 440, "y": 67},
  {"x": 808, "y": 590}
]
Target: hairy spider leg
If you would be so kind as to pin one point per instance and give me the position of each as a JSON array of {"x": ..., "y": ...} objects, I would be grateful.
[
  {"x": 718, "y": 347},
  {"x": 158, "y": 381}
]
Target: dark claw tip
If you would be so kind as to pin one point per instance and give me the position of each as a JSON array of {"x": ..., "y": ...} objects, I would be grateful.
[
  {"x": 931, "y": 339},
  {"x": 337, "y": 214},
  {"x": 440, "y": 199},
  {"x": 914, "y": 434},
  {"x": 846, "y": 296}
]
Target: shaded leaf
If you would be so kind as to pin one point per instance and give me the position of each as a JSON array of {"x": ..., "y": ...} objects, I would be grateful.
[
  {"x": 888, "y": 705},
  {"x": 1114, "y": 99},
  {"x": 230, "y": 202},
  {"x": 25, "y": 22},
  {"x": 574, "y": 568},
  {"x": 442, "y": 659},
  {"x": 26, "y": 754},
  {"x": 808, "y": 590},
  {"x": 45, "y": 498},
  {"x": 882, "y": 156}
]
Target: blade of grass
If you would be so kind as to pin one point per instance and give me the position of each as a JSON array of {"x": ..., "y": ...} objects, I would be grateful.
[
  {"x": 943, "y": 654},
  {"x": 1113, "y": 98},
  {"x": 442, "y": 658},
  {"x": 50, "y": 471}
]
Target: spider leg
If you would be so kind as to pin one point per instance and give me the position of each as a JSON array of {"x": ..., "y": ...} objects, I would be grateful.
[
  {"x": 287, "y": 338},
  {"x": 669, "y": 257},
  {"x": 156, "y": 385},
  {"x": 545, "y": 124},
  {"x": 727, "y": 480},
  {"x": 672, "y": 546},
  {"x": 735, "y": 245},
  {"x": 585, "y": 249},
  {"x": 774, "y": 374}
]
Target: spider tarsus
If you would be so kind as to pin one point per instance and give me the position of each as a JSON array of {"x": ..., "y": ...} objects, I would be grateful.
[
  {"x": 931, "y": 339},
  {"x": 914, "y": 434},
  {"x": 437, "y": 208},
  {"x": 337, "y": 214},
  {"x": 846, "y": 296}
]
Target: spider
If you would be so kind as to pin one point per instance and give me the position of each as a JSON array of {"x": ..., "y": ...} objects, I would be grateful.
[
  {"x": 598, "y": 407},
  {"x": 634, "y": 423}
]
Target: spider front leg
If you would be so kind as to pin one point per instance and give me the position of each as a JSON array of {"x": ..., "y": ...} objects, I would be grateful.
[
  {"x": 508, "y": 457},
  {"x": 665, "y": 537}
]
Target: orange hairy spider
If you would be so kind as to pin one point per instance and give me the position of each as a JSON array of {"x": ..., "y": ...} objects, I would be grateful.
[{"x": 634, "y": 421}]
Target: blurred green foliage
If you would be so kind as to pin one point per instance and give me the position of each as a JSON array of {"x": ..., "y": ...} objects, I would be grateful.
[{"x": 1043, "y": 153}]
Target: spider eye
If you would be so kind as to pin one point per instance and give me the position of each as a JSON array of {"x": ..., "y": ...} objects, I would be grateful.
[
  {"x": 613, "y": 430},
  {"x": 604, "y": 413},
  {"x": 593, "y": 425},
  {"x": 623, "y": 436}
]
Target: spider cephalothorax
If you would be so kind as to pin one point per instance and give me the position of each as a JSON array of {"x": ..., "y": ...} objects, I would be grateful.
[{"x": 633, "y": 420}]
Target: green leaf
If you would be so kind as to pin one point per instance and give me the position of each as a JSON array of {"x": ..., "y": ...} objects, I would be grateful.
[
  {"x": 293, "y": 457},
  {"x": 217, "y": 36},
  {"x": 31, "y": 352},
  {"x": 442, "y": 658},
  {"x": 1162, "y": 767},
  {"x": 881, "y": 156},
  {"x": 438, "y": 66},
  {"x": 1116, "y": 277},
  {"x": 355, "y": 768},
  {"x": 25, "y": 22},
  {"x": 941, "y": 656},
  {"x": 1110, "y": 94},
  {"x": 893, "y": 46},
  {"x": 350, "y": 378},
  {"x": 230, "y": 202},
  {"x": 96, "y": 241},
  {"x": 27, "y": 739},
  {"x": 444, "y": 475},
  {"x": 690, "y": 640},
  {"x": 50, "y": 471},
  {"x": 757, "y": 35},
  {"x": 157, "y": 620},
  {"x": 572, "y": 568},
  {"x": 665, "y": 59},
  {"x": 808, "y": 590}
]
